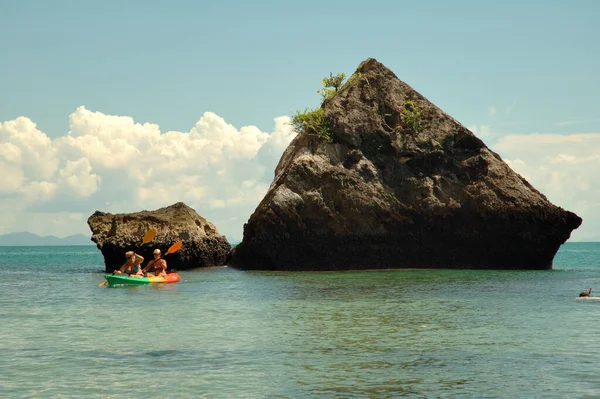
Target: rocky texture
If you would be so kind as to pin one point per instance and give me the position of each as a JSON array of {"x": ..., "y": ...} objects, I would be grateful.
[
  {"x": 397, "y": 189},
  {"x": 116, "y": 234}
]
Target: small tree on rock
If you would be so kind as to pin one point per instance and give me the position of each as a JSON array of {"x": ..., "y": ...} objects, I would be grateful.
[
  {"x": 331, "y": 85},
  {"x": 313, "y": 121}
]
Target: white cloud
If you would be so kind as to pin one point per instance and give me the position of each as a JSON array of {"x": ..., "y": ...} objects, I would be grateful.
[
  {"x": 113, "y": 164},
  {"x": 24, "y": 147},
  {"x": 38, "y": 191},
  {"x": 575, "y": 122},
  {"x": 564, "y": 168},
  {"x": 77, "y": 176},
  {"x": 481, "y": 131}
]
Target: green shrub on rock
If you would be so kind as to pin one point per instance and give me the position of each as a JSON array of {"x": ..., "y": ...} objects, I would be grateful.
[
  {"x": 313, "y": 121},
  {"x": 411, "y": 116}
]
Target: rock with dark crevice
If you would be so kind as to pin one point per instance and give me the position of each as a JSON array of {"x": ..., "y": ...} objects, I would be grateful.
[
  {"x": 115, "y": 234},
  {"x": 401, "y": 184}
]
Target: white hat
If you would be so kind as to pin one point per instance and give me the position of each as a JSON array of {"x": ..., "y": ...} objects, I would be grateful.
[{"x": 157, "y": 251}]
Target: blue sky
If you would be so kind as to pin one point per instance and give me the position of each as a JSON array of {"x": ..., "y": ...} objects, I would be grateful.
[{"x": 508, "y": 70}]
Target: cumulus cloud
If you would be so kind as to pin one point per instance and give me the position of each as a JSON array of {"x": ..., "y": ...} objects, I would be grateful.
[
  {"x": 114, "y": 164},
  {"x": 564, "y": 168},
  {"x": 25, "y": 146},
  {"x": 77, "y": 178}
]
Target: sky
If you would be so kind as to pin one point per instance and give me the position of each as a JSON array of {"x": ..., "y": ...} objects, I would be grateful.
[{"x": 123, "y": 106}]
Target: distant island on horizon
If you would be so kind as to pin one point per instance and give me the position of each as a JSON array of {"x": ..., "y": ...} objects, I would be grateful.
[
  {"x": 27, "y": 239},
  {"x": 23, "y": 239}
]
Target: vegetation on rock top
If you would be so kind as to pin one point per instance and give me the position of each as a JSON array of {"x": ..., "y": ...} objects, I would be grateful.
[{"x": 313, "y": 121}]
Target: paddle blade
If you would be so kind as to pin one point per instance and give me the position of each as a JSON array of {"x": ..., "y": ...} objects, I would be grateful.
[
  {"x": 174, "y": 248},
  {"x": 149, "y": 236},
  {"x": 102, "y": 284}
]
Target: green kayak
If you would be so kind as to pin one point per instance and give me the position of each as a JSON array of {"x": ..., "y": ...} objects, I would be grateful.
[{"x": 126, "y": 280}]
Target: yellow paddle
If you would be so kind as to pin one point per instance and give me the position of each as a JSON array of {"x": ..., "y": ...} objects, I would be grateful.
[{"x": 149, "y": 236}]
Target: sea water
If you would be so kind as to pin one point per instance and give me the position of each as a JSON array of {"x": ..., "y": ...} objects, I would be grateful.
[{"x": 225, "y": 333}]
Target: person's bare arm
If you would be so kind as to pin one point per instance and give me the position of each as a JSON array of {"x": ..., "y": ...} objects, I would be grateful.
[
  {"x": 121, "y": 270},
  {"x": 148, "y": 266}
]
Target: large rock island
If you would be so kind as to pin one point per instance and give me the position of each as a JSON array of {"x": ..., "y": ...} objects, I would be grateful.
[
  {"x": 388, "y": 180},
  {"x": 115, "y": 234}
]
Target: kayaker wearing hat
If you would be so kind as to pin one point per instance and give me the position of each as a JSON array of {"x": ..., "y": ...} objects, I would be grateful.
[
  {"x": 132, "y": 266},
  {"x": 159, "y": 265}
]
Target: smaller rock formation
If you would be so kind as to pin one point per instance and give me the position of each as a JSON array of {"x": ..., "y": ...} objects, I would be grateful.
[{"x": 116, "y": 234}]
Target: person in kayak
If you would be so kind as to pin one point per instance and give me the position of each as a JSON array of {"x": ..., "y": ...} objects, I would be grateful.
[
  {"x": 586, "y": 293},
  {"x": 158, "y": 263},
  {"x": 132, "y": 266}
]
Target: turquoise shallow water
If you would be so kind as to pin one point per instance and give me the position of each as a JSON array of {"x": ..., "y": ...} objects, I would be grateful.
[{"x": 224, "y": 333}]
